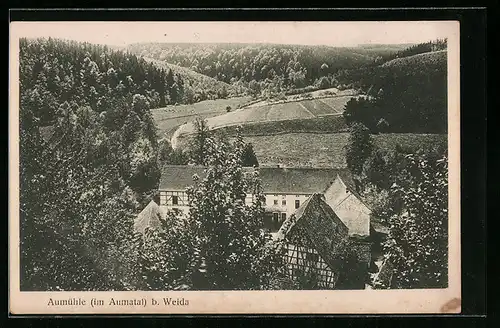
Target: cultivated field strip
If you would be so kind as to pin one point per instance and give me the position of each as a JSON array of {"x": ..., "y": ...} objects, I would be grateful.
[
  {"x": 169, "y": 118},
  {"x": 304, "y": 109},
  {"x": 335, "y": 104}
]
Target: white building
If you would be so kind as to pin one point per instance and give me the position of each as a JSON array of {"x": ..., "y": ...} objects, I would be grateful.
[{"x": 285, "y": 190}]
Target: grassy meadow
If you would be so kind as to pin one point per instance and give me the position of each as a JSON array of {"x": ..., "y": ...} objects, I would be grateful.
[{"x": 327, "y": 150}]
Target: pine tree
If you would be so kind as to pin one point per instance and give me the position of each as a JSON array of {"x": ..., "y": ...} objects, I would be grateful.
[
  {"x": 200, "y": 146},
  {"x": 249, "y": 158}
]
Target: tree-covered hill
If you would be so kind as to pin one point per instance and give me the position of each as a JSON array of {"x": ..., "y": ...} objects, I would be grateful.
[
  {"x": 88, "y": 161},
  {"x": 53, "y": 72},
  {"x": 263, "y": 67},
  {"x": 405, "y": 94},
  {"x": 199, "y": 87}
]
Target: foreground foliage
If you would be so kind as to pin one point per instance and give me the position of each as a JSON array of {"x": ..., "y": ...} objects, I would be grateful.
[{"x": 88, "y": 162}]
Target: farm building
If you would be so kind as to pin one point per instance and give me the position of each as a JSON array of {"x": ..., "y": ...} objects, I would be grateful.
[
  {"x": 342, "y": 197},
  {"x": 312, "y": 236},
  {"x": 323, "y": 200},
  {"x": 285, "y": 189}
]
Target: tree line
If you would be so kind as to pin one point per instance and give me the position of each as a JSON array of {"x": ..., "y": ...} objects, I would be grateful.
[
  {"x": 264, "y": 69},
  {"x": 88, "y": 161}
]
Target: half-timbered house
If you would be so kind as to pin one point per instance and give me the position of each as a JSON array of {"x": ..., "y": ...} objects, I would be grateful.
[
  {"x": 314, "y": 209},
  {"x": 312, "y": 236}
]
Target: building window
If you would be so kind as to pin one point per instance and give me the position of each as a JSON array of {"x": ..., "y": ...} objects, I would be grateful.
[
  {"x": 175, "y": 200},
  {"x": 275, "y": 217},
  {"x": 275, "y": 202},
  {"x": 297, "y": 203},
  {"x": 283, "y": 202},
  {"x": 283, "y": 216}
]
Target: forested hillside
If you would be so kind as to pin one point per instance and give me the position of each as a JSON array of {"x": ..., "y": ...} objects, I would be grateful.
[
  {"x": 405, "y": 94},
  {"x": 88, "y": 162},
  {"x": 263, "y": 68},
  {"x": 199, "y": 87},
  {"x": 55, "y": 71}
]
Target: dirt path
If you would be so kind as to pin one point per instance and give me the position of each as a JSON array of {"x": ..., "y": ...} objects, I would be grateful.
[{"x": 175, "y": 136}]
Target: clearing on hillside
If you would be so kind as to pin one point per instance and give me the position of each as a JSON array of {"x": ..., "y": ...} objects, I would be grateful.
[
  {"x": 327, "y": 150},
  {"x": 285, "y": 111},
  {"x": 169, "y": 118},
  {"x": 419, "y": 60}
]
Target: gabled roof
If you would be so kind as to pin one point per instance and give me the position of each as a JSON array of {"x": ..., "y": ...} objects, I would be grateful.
[
  {"x": 350, "y": 185},
  {"x": 275, "y": 180},
  {"x": 149, "y": 218},
  {"x": 297, "y": 180},
  {"x": 323, "y": 227}
]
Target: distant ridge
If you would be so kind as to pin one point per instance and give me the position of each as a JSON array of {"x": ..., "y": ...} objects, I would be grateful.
[{"x": 423, "y": 58}]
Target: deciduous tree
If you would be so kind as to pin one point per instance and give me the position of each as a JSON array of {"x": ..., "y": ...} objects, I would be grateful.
[
  {"x": 235, "y": 248},
  {"x": 418, "y": 241}
]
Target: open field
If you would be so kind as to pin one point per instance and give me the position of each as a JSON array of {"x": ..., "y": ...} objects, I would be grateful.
[
  {"x": 289, "y": 111},
  {"x": 327, "y": 150},
  {"x": 169, "y": 118},
  {"x": 305, "y": 95},
  {"x": 316, "y": 125}
]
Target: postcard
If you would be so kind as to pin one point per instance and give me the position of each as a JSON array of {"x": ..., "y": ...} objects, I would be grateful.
[{"x": 227, "y": 167}]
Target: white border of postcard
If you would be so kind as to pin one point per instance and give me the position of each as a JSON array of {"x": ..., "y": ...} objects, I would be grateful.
[{"x": 240, "y": 302}]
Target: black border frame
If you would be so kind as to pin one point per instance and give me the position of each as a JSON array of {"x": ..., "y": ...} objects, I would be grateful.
[{"x": 473, "y": 128}]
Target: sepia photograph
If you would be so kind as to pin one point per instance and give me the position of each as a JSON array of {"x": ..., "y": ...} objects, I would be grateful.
[{"x": 234, "y": 167}]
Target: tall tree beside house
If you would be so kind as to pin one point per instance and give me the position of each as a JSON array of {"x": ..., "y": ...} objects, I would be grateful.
[
  {"x": 358, "y": 148},
  {"x": 249, "y": 158},
  {"x": 76, "y": 209},
  {"x": 81, "y": 182},
  {"x": 200, "y": 145},
  {"x": 237, "y": 252},
  {"x": 418, "y": 240}
]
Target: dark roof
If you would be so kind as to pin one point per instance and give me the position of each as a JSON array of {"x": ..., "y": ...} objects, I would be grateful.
[
  {"x": 179, "y": 177},
  {"x": 320, "y": 223},
  {"x": 297, "y": 180},
  {"x": 149, "y": 218},
  {"x": 275, "y": 180}
]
